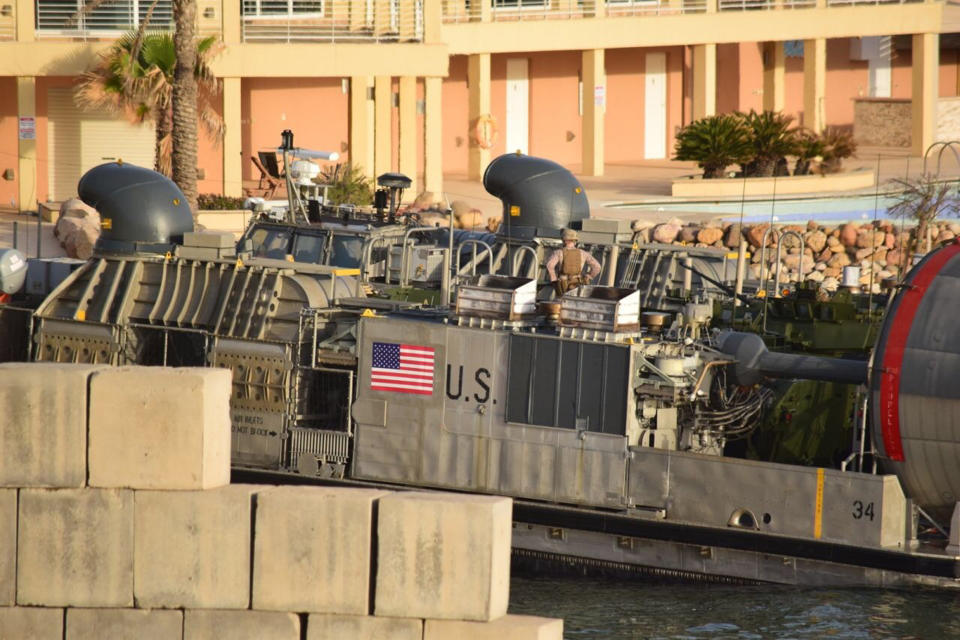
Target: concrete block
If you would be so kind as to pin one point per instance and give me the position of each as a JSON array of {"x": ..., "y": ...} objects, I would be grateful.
[
  {"x": 312, "y": 549},
  {"x": 505, "y": 628},
  {"x": 160, "y": 428},
  {"x": 193, "y": 548},
  {"x": 124, "y": 624},
  {"x": 75, "y": 548},
  {"x": 211, "y": 624},
  {"x": 442, "y": 555},
  {"x": 322, "y": 626},
  {"x": 8, "y": 546},
  {"x": 43, "y": 434},
  {"x": 31, "y": 622}
]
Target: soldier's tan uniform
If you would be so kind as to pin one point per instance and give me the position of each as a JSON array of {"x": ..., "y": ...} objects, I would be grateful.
[{"x": 571, "y": 261}]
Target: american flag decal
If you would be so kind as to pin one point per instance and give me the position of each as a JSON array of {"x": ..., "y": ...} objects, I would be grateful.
[{"x": 403, "y": 368}]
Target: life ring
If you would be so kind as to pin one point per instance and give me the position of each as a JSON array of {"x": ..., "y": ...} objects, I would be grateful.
[{"x": 485, "y": 131}]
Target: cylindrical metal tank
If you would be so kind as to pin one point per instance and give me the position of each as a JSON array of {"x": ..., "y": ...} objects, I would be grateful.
[
  {"x": 915, "y": 383},
  {"x": 539, "y": 196}
]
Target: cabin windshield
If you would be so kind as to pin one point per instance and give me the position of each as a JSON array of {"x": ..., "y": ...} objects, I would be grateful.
[{"x": 346, "y": 251}]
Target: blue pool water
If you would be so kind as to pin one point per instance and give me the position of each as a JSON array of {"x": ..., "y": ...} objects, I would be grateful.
[{"x": 859, "y": 207}]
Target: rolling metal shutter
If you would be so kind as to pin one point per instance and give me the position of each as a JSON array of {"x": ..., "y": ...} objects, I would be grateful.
[{"x": 78, "y": 140}]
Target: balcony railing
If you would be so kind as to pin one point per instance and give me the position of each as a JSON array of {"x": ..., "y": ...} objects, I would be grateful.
[
  {"x": 72, "y": 18},
  {"x": 457, "y": 11},
  {"x": 333, "y": 21}
]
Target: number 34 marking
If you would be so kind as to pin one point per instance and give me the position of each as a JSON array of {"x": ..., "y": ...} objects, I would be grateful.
[{"x": 861, "y": 510}]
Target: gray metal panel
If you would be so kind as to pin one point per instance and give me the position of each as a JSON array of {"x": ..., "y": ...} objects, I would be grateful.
[
  {"x": 708, "y": 490},
  {"x": 458, "y": 437}
]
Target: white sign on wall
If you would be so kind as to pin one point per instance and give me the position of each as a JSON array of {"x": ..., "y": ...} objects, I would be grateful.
[{"x": 28, "y": 128}]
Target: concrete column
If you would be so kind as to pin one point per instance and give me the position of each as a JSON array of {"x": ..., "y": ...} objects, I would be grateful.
[
  {"x": 408, "y": 129},
  {"x": 26, "y": 21},
  {"x": 774, "y": 76},
  {"x": 232, "y": 144},
  {"x": 704, "y": 80},
  {"x": 382, "y": 125},
  {"x": 232, "y": 22},
  {"x": 599, "y": 9},
  {"x": 486, "y": 12},
  {"x": 27, "y": 149},
  {"x": 814, "y": 84},
  {"x": 591, "y": 127},
  {"x": 433, "y": 19},
  {"x": 432, "y": 130},
  {"x": 360, "y": 124},
  {"x": 926, "y": 64},
  {"x": 478, "y": 81}
]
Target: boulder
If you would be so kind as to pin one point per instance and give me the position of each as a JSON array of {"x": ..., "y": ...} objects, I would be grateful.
[
  {"x": 731, "y": 237},
  {"x": 816, "y": 240},
  {"x": 794, "y": 262},
  {"x": 839, "y": 260},
  {"x": 812, "y": 225},
  {"x": 824, "y": 255},
  {"x": 77, "y": 208},
  {"x": 80, "y": 243},
  {"x": 709, "y": 235},
  {"x": 688, "y": 234},
  {"x": 848, "y": 234},
  {"x": 833, "y": 241},
  {"x": 66, "y": 226},
  {"x": 832, "y": 272},
  {"x": 755, "y": 235},
  {"x": 889, "y": 240},
  {"x": 815, "y": 276},
  {"x": 893, "y": 258},
  {"x": 945, "y": 236},
  {"x": 665, "y": 233},
  {"x": 830, "y": 284},
  {"x": 790, "y": 240},
  {"x": 870, "y": 239},
  {"x": 820, "y": 266}
]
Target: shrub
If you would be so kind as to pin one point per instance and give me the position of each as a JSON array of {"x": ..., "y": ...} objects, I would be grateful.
[
  {"x": 809, "y": 147},
  {"x": 772, "y": 139},
  {"x": 714, "y": 143},
  {"x": 838, "y": 144},
  {"x": 216, "y": 202},
  {"x": 348, "y": 185}
]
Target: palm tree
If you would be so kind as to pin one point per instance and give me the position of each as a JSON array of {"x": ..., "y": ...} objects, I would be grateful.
[
  {"x": 714, "y": 142},
  {"x": 185, "y": 99},
  {"x": 772, "y": 138},
  {"x": 135, "y": 77}
]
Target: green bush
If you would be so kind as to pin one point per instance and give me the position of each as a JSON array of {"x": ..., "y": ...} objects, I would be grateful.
[
  {"x": 809, "y": 147},
  {"x": 714, "y": 143},
  {"x": 348, "y": 185},
  {"x": 772, "y": 139},
  {"x": 216, "y": 202},
  {"x": 838, "y": 145}
]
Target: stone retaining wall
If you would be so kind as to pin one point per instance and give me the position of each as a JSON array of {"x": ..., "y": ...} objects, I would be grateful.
[
  {"x": 117, "y": 521},
  {"x": 878, "y": 248}
]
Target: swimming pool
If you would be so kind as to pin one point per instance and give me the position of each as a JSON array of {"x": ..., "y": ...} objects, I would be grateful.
[{"x": 829, "y": 209}]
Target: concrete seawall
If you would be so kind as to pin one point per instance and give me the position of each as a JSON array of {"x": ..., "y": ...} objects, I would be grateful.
[{"x": 117, "y": 521}]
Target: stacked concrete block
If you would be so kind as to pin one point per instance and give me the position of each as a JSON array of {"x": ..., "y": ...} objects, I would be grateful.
[
  {"x": 443, "y": 556},
  {"x": 43, "y": 434},
  {"x": 8, "y": 546},
  {"x": 240, "y": 625},
  {"x": 173, "y": 431},
  {"x": 117, "y": 521},
  {"x": 75, "y": 548},
  {"x": 34, "y": 623},
  {"x": 334, "y": 627},
  {"x": 193, "y": 548},
  {"x": 124, "y": 624},
  {"x": 312, "y": 549},
  {"x": 505, "y": 628}
]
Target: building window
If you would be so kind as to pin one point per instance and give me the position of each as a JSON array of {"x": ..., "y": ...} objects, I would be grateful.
[
  {"x": 110, "y": 16},
  {"x": 283, "y": 8}
]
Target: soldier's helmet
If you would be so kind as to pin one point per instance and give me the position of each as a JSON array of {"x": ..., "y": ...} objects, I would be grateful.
[{"x": 568, "y": 234}]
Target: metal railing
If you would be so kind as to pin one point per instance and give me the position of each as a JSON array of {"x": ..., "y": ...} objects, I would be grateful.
[
  {"x": 764, "y": 5},
  {"x": 337, "y": 21},
  {"x": 72, "y": 18}
]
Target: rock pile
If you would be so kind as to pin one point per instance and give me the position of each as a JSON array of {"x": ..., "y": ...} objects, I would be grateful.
[
  {"x": 78, "y": 228},
  {"x": 879, "y": 247}
]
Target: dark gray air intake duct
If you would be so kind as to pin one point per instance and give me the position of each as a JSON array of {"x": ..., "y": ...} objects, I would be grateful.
[
  {"x": 539, "y": 196},
  {"x": 140, "y": 209}
]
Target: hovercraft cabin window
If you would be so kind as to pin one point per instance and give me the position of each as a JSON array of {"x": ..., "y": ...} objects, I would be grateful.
[{"x": 569, "y": 384}]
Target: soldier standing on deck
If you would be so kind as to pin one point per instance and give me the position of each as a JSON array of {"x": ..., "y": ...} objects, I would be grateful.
[{"x": 571, "y": 260}]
